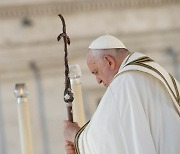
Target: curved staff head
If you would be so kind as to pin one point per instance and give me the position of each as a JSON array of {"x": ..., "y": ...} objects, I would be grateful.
[{"x": 68, "y": 95}]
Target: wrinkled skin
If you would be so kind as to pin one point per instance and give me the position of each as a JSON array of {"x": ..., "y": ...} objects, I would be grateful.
[
  {"x": 104, "y": 70},
  {"x": 70, "y": 130},
  {"x": 69, "y": 147}
]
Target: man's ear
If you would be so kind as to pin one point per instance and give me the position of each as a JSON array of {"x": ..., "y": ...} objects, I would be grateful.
[{"x": 110, "y": 61}]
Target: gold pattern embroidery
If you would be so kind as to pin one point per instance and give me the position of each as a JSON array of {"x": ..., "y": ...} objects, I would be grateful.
[
  {"x": 141, "y": 62},
  {"x": 77, "y": 138},
  {"x": 176, "y": 89}
]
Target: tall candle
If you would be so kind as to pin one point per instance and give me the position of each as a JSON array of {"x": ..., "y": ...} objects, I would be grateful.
[
  {"x": 23, "y": 118},
  {"x": 78, "y": 109}
]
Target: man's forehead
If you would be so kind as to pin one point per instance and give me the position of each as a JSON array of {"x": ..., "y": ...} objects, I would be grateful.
[
  {"x": 90, "y": 56},
  {"x": 91, "y": 61}
]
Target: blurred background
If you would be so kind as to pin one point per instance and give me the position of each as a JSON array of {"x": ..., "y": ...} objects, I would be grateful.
[{"x": 30, "y": 53}]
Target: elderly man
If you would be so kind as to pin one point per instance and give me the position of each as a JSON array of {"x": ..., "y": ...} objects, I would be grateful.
[{"x": 139, "y": 112}]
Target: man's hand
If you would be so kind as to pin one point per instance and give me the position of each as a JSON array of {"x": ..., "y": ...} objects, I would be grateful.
[
  {"x": 70, "y": 130},
  {"x": 70, "y": 149}
]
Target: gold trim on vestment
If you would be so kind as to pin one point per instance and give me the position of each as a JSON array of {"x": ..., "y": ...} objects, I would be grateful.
[
  {"x": 140, "y": 62},
  {"x": 77, "y": 138},
  {"x": 176, "y": 89}
]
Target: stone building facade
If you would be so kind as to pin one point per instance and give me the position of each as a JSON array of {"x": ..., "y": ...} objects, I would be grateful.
[{"x": 30, "y": 53}]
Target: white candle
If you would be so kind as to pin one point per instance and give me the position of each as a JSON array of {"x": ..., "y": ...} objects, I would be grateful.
[
  {"x": 24, "y": 119},
  {"x": 78, "y": 109}
]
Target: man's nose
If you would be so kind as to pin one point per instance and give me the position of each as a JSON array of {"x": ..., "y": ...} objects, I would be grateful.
[{"x": 98, "y": 80}]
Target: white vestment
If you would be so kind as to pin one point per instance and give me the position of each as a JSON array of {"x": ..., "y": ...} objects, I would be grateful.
[{"x": 137, "y": 114}]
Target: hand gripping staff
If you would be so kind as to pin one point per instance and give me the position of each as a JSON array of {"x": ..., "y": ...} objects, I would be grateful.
[{"x": 68, "y": 95}]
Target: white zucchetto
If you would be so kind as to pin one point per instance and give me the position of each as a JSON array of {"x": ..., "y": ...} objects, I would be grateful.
[{"x": 106, "y": 42}]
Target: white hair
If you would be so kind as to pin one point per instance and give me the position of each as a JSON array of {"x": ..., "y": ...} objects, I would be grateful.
[{"x": 99, "y": 53}]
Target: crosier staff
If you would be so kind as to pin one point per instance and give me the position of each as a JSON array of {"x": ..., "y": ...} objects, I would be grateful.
[{"x": 68, "y": 95}]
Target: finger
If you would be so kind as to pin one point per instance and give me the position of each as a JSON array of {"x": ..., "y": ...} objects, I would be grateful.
[
  {"x": 69, "y": 142},
  {"x": 70, "y": 152},
  {"x": 69, "y": 147},
  {"x": 67, "y": 122}
]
